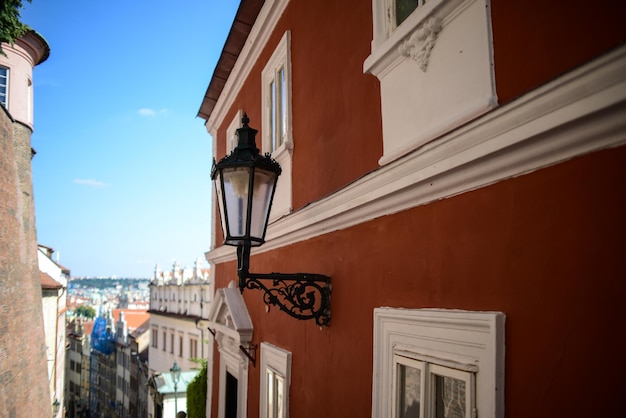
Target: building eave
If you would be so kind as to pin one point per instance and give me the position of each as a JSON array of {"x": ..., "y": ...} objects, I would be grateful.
[{"x": 242, "y": 25}]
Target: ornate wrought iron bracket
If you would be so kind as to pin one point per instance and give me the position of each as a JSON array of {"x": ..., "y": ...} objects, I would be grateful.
[{"x": 300, "y": 295}]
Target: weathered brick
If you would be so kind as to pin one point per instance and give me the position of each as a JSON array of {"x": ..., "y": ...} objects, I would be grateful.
[{"x": 24, "y": 390}]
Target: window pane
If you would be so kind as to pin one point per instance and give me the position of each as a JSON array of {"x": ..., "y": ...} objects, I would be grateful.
[
  {"x": 272, "y": 115},
  {"x": 283, "y": 106},
  {"x": 4, "y": 75},
  {"x": 270, "y": 394},
  {"x": 409, "y": 391},
  {"x": 449, "y": 397},
  {"x": 404, "y": 8},
  {"x": 280, "y": 396}
]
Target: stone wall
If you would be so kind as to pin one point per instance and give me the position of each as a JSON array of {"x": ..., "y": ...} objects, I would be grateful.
[{"x": 24, "y": 388}]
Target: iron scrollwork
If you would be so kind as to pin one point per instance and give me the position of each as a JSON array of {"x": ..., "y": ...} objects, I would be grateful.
[{"x": 301, "y": 295}]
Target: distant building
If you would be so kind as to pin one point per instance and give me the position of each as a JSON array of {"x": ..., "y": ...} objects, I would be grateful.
[
  {"x": 111, "y": 361},
  {"x": 77, "y": 368},
  {"x": 23, "y": 377},
  {"x": 180, "y": 301},
  {"x": 139, "y": 371},
  {"x": 170, "y": 398},
  {"x": 102, "y": 368},
  {"x": 54, "y": 279},
  {"x": 130, "y": 326}
]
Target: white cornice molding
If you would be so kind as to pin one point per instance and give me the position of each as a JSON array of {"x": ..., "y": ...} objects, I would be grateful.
[
  {"x": 578, "y": 113},
  {"x": 263, "y": 27}
]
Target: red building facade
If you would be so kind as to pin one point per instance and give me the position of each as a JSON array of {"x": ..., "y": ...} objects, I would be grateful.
[{"x": 459, "y": 175}]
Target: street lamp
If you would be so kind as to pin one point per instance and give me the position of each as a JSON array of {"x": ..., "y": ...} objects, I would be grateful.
[
  {"x": 55, "y": 407},
  {"x": 175, "y": 370},
  {"x": 245, "y": 182}
]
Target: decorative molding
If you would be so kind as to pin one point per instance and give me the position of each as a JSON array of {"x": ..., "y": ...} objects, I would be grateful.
[
  {"x": 419, "y": 44},
  {"x": 386, "y": 43},
  {"x": 581, "y": 112}
]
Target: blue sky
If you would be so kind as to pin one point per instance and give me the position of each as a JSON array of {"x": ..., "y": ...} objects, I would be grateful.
[{"x": 122, "y": 171}]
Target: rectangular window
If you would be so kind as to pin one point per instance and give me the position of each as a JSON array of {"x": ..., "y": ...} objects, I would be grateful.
[
  {"x": 277, "y": 123},
  {"x": 193, "y": 348},
  {"x": 277, "y": 108},
  {"x": 423, "y": 389},
  {"x": 164, "y": 340},
  {"x": 403, "y": 8},
  {"x": 4, "y": 86},
  {"x": 155, "y": 338},
  {"x": 275, "y": 380},
  {"x": 437, "y": 363},
  {"x": 180, "y": 346},
  {"x": 172, "y": 343},
  {"x": 277, "y": 98},
  {"x": 275, "y": 394}
]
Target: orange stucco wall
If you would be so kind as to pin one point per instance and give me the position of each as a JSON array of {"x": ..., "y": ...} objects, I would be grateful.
[
  {"x": 337, "y": 125},
  {"x": 536, "y": 40},
  {"x": 545, "y": 248}
]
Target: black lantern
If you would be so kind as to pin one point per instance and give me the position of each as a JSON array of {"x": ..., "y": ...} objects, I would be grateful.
[{"x": 245, "y": 182}]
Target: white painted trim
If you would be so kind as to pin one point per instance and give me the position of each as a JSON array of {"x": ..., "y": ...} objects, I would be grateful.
[
  {"x": 233, "y": 328},
  {"x": 462, "y": 337},
  {"x": 263, "y": 27},
  {"x": 581, "y": 112}
]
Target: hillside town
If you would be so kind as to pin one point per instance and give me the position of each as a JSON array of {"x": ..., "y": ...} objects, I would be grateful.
[
  {"x": 102, "y": 338},
  {"x": 418, "y": 211}
]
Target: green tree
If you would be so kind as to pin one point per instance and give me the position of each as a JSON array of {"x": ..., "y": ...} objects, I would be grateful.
[
  {"x": 11, "y": 27},
  {"x": 85, "y": 311},
  {"x": 196, "y": 393}
]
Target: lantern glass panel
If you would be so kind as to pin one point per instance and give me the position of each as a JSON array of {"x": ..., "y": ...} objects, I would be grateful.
[
  {"x": 236, "y": 184},
  {"x": 264, "y": 183},
  {"x": 220, "y": 202}
]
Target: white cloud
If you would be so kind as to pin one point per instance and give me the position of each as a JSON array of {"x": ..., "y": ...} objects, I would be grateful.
[
  {"x": 147, "y": 112},
  {"x": 91, "y": 183}
]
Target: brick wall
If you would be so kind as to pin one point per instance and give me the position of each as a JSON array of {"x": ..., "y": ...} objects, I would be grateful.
[{"x": 24, "y": 388}]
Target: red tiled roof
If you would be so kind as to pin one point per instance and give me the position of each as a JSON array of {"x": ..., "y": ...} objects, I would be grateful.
[
  {"x": 48, "y": 282},
  {"x": 134, "y": 317},
  {"x": 87, "y": 327}
]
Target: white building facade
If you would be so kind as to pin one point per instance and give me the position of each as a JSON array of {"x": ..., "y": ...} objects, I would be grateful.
[
  {"x": 180, "y": 301},
  {"x": 54, "y": 279}
]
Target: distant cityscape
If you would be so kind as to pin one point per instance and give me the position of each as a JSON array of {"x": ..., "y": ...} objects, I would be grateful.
[{"x": 108, "y": 292}]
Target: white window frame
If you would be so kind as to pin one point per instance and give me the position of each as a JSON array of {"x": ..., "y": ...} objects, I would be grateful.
[
  {"x": 281, "y": 58},
  {"x": 428, "y": 372},
  {"x": 278, "y": 361},
  {"x": 471, "y": 342},
  {"x": 6, "y": 97}
]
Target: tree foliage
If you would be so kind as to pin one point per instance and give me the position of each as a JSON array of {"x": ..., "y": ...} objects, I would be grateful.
[
  {"x": 196, "y": 393},
  {"x": 85, "y": 311},
  {"x": 11, "y": 27}
]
